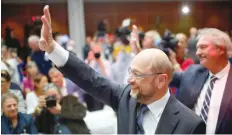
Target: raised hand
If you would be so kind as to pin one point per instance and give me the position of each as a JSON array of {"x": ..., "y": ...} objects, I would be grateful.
[
  {"x": 134, "y": 40},
  {"x": 46, "y": 42}
]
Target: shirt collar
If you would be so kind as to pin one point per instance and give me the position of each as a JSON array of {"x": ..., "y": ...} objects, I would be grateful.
[
  {"x": 64, "y": 83},
  {"x": 158, "y": 106},
  {"x": 223, "y": 72}
]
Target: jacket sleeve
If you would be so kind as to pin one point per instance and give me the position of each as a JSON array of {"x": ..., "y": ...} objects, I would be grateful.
[
  {"x": 92, "y": 82},
  {"x": 176, "y": 79}
]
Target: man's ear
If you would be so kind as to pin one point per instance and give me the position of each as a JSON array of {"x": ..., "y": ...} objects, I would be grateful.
[{"x": 161, "y": 80}]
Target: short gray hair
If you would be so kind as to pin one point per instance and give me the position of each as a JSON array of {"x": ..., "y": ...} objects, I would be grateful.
[
  {"x": 51, "y": 86},
  {"x": 33, "y": 38},
  {"x": 220, "y": 38},
  {"x": 7, "y": 96}
]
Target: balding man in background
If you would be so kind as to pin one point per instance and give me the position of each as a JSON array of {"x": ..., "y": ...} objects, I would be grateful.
[
  {"x": 38, "y": 56},
  {"x": 143, "y": 106}
]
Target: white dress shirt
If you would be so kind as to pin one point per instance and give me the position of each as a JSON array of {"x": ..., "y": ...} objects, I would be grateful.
[
  {"x": 63, "y": 90},
  {"x": 152, "y": 116},
  {"x": 216, "y": 98}
]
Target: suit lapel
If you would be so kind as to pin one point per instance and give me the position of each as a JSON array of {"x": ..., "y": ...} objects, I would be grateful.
[
  {"x": 169, "y": 118},
  {"x": 226, "y": 99},
  {"x": 198, "y": 83},
  {"x": 132, "y": 116}
]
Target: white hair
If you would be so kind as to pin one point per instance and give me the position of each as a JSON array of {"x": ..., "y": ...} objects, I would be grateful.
[
  {"x": 154, "y": 34},
  {"x": 219, "y": 38},
  {"x": 33, "y": 38}
]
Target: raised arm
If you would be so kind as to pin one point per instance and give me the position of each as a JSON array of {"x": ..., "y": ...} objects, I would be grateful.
[{"x": 76, "y": 70}]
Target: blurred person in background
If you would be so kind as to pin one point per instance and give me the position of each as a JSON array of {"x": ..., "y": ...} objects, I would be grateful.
[
  {"x": 5, "y": 87},
  {"x": 97, "y": 62},
  {"x": 103, "y": 67},
  {"x": 192, "y": 41},
  {"x": 10, "y": 62},
  {"x": 179, "y": 58},
  {"x": 39, "y": 57},
  {"x": 87, "y": 46},
  {"x": 10, "y": 39},
  {"x": 31, "y": 73},
  {"x": 206, "y": 87},
  {"x": 151, "y": 39},
  {"x": 12, "y": 121},
  {"x": 107, "y": 47},
  {"x": 60, "y": 115},
  {"x": 67, "y": 87},
  {"x": 122, "y": 55},
  {"x": 32, "y": 98}
]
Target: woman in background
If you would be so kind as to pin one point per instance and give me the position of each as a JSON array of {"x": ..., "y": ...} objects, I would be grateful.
[
  {"x": 31, "y": 73},
  {"x": 32, "y": 98}
]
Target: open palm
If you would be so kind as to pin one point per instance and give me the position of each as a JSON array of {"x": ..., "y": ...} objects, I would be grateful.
[{"x": 46, "y": 39}]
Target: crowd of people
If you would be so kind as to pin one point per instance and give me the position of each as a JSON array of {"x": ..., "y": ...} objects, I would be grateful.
[{"x": 149, "y": 81}]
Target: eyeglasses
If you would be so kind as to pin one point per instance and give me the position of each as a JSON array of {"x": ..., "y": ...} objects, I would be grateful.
[{"x": 138, "y": 75}]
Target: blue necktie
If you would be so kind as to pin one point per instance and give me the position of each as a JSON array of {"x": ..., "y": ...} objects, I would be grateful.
[
  {"x": 206, "y": 103},
  {"x": 143, "y": 110}
]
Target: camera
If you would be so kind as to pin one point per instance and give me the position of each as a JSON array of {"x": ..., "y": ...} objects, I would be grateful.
[
  {"x": 50, "y": 101},
  {"x": 169, "y": 41},
  {"x": 122, "y": 33}
]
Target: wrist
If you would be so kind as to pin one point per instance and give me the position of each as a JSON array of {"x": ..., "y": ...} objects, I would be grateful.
[{"x": 52, "y": 46}]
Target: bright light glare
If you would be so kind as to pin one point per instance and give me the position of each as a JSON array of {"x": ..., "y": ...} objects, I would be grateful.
[{"x": 185, "y": 9}]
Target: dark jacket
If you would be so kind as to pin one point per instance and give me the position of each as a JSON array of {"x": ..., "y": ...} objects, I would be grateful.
[
  {"x": 190, "y": 84},
  {"x": 70, "y": 121},
  {"x": 25, "y": 125},
  {"x": 175, "y": 119}
]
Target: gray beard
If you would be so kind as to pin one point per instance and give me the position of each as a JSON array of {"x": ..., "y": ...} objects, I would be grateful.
[{"x": 134, "y": 94}]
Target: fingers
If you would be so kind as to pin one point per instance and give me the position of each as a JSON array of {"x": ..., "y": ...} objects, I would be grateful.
[
  {"x": 47, "y": 14},
  {"x": 135, "y": 29},
  {"x": 46, "y": 25},
  {"x": 42, "y": 101}
]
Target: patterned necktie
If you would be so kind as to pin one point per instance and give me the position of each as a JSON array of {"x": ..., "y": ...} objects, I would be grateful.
[
  {"x": 206, "y": 103},
  {"x": 143, "y": 110}
]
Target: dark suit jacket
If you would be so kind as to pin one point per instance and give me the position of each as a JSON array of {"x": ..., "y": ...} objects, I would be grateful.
[
  {"x": 176, "y": 118},
  {"x": 190, "y": 84}
]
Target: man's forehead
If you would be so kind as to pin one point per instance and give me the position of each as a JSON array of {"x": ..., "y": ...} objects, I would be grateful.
[
  {"x": 10, "y": 101},
  {"x": 204, "y": 40}
]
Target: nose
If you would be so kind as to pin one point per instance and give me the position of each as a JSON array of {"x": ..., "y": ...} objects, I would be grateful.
[
  {"x": 131, "y": 79},
  {"x": 12, "y": 107},
  {"x": 198, "y": 52}
]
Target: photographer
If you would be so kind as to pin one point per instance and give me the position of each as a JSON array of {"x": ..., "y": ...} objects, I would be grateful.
[
  {"x": 56, "y": 115},
  {"x": 178, "y": 58}
]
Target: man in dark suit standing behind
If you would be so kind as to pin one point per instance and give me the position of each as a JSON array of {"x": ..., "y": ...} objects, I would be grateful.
[
  {"x": 144, "y": 106},
  {"x": 207, "y": 88}
]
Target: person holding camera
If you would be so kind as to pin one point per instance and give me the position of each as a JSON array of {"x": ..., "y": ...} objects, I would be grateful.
[
  {"x": 178, "y": 58},
  {"x": 60, "y": 115}
]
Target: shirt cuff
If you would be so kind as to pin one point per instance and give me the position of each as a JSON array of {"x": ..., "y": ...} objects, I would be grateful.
[{"x": 59, "y": 56}]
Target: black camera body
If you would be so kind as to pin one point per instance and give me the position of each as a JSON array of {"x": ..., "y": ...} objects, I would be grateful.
[
  {"x": 50, "y": 101},
  {"x": 169, "y": 41}
]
